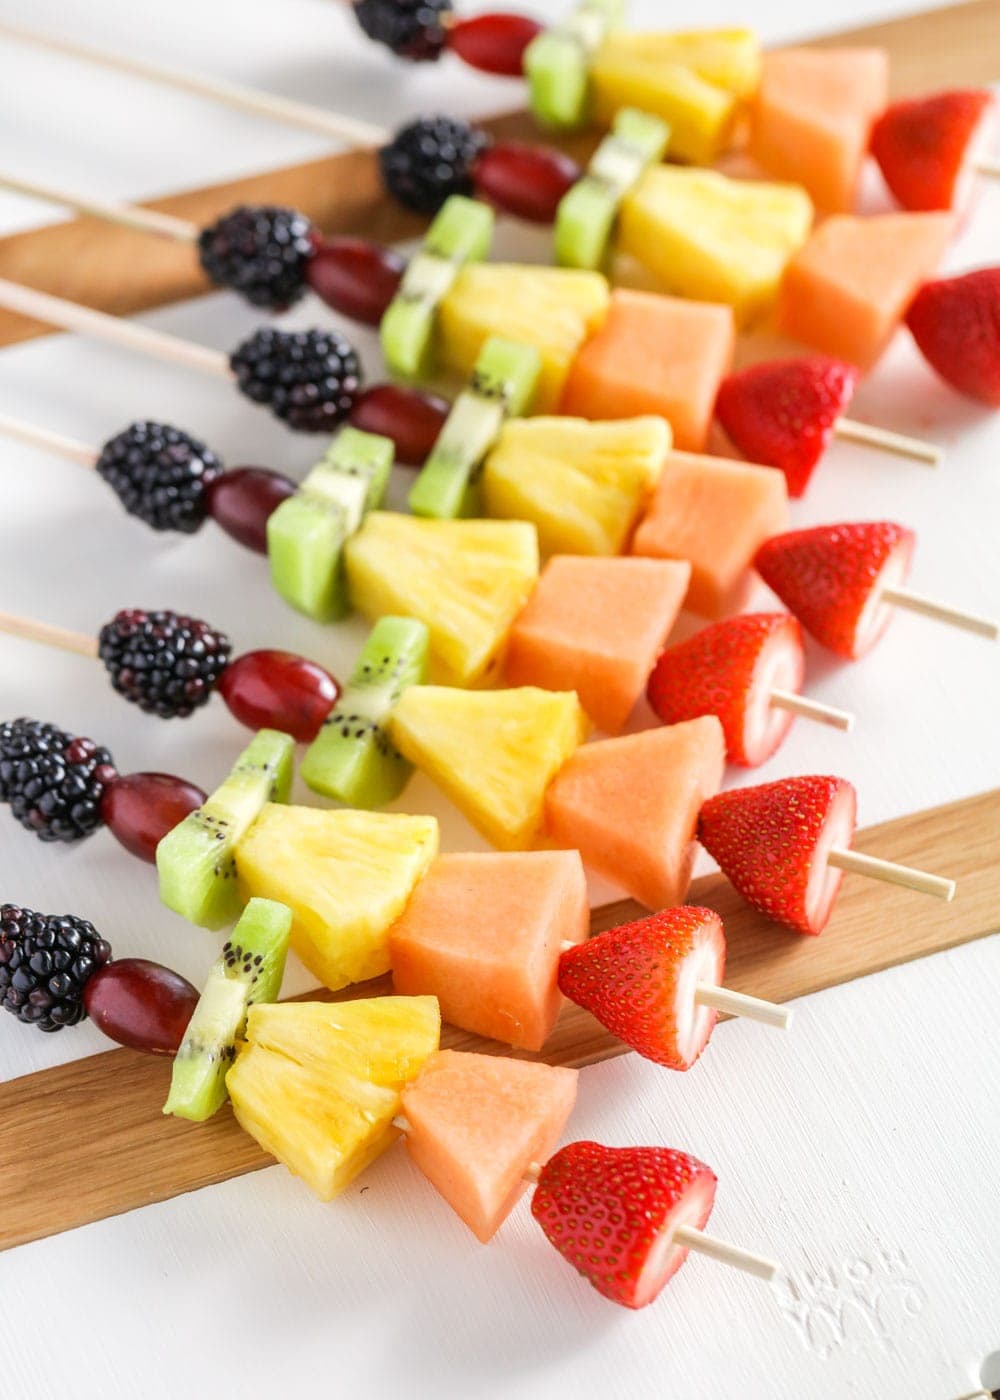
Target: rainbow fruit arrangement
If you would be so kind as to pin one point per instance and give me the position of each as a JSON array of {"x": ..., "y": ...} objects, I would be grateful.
[{"x": 565, "y": 511}]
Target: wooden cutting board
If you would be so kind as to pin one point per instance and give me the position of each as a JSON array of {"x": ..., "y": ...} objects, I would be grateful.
[
  {"x": 87, "y": 1140},
  {"x": 122, "y": 272}
]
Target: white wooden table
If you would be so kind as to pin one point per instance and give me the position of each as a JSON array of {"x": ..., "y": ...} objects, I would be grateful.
[{"x": 862, "y": 1150}]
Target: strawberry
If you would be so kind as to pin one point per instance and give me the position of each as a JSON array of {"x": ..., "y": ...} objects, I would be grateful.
[
  {"x": 772, "y": 843},
  {"x": 730, "y": 670},
  {"x": 783, "y": 413},
  {"x": 611, "y": 1212},
  {"x": 956, "y": 323},
  {"x": 923, "y": 146},
  {"x": 831, "y": 577},
  {"x": 639, "y": 981}
]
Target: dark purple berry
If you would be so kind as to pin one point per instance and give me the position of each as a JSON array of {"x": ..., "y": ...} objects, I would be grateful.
[
  {"x": 430, "y": 160},
  {"x": 46, "y": 961},
  {"x": 53, "y": 781},
  {"x": 160, "y": 474},
  {"x": 413, "y": 29},
  {"x": 309, "y": 379},
  {"x": 260, "y": 251},
  {"x": 164, "y": 663}
]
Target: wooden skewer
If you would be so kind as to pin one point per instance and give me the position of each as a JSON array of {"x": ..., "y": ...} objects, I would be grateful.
[
  {"x": 813, "y": 709},
  {"x": 44, "y": 632},
  {"x": 685, "y": 1235},
  {"x": 128, "y": 215},
  {"x": 244, "y": 99},
  {"x": 69, "y": 316},
  {"x": 769, "y": 1013},
  {"x": 51, "y": 442},
  {"x": 954, "y": 617},
  {"x": 897, "y": 443},
  {"x": 893, "y": 874},
  {"x": 989, "y": 166}
]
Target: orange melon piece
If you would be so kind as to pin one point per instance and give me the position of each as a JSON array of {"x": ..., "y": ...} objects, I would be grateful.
[
  {"x": 714, "y": 513},
  {"x": 654, "y": 354},
  {"x": 812, "y": 117},
  {"x": 484, "y": 931},
  {"x": 596, "y": 625},
  {"x": 477, "y": 1122},
  {"x": 630, "y": 806},
  {"x": 845, "y": 291}
]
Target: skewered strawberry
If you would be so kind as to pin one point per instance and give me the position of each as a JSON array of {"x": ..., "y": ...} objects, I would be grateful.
[
  {"x": 956, "y": 324},
  {"x": 656, "y": 984},
  {"x": 785, "y": 846},
  {"x": 748, "y": 671},
  {"x": 925, "y": 146},
  {"x": 842, "y": 581}
]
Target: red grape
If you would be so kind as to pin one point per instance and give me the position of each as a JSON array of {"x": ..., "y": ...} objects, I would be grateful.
[
  {"x": 241, "y": 500},
  {"x": 411, "y": 417},
  {"x": 355, "y": 277},
  {"x": 141, "y": 1004},
  {"x": 494, "y": 43},
  {"x": 526, "y": 181},
  {"x": 142, "y": 807},
  {"x": 279, "y": 690}
]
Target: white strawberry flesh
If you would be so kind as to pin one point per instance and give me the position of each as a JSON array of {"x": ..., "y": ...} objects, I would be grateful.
[{"x": 837, "y": 833}]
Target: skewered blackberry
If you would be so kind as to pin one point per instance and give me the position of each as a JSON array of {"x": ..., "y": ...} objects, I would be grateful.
[
  {"x": 163, "y": 662},
  {"x": 46, "y": 961},
  {"x": 53, "y": 781},
  {"x": 308, "y": 378},
  {"x": 160, "y": 474},
  {"x": 429, "y": 160},
  {"x": 260, "y": 251},
  {"x": 414, "y": 29}
]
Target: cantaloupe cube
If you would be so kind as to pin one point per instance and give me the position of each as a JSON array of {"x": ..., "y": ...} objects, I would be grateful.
[
  {"x": 492, "y": 751},
  {"x": 554, "y": 309},
  {"x": 484, "y": 931},
  {"x": 715, "y": 514},
  {"x": 847, "y": 289},
  {"x": 596, "y": 626},
  {"x": 654, "y": 354},
  {"x": 582, "y": 485},
  {"x": 692, "y": 81},
  {"x": 711, "y": 238},
  {"x": 630, "y": 806},
  {"x": 812, "y": 117},
  {"x": 478, "y": 1122}
]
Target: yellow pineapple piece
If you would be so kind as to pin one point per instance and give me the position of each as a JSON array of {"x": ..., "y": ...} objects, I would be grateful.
[
  {"x": 318, "y": 1086},
  {"x": 554, "y": 309},
  {"x": 711, "y": 238},
  {"x": 345, "y": 875},
  {"x": 466, "y": 579},
  {"x": 582, "y": 484},
  {"x": 493, "y": 752},
  {"x": 693, "y": 81}
]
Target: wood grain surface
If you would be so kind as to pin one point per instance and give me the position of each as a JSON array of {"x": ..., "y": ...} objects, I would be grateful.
[
  {"x": 123, "y": 272},
  {"x": 87, "y": 1140}
]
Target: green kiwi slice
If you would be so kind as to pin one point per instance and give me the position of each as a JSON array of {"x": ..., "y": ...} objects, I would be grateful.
[
  {"x": 587, "y": 212},
  {"x": 351, "y": 758},
  {"x": 195, "y": 861},
  {"x": 307, "y": 532},
  {"x": 462, "y": 232},
  {"x": 502, "y": 386},
  {"x": 249, "y": 969},
  {"x": 557, "y": 62}
]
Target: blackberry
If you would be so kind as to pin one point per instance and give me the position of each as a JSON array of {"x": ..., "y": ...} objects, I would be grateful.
[
  {"x": 164, "y": 663},
  {"x": 413, "y": 29},
  {"x": 260, "y": 251},
  {"x": 429, "y": 160},
  {"x": 54, "y": 781},
  {"x": 308, "y": 378},
  {"x": 160, "y": 474},
  {"x": 46, "y": 960}
]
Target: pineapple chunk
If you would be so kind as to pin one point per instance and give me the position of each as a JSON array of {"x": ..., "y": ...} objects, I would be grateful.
[
  {"x": 582, "y": 484},
  {"x": 493, "y": 752},
  {"x": 318, "y": 1086},
  {"x": 715, "y": 239},
  {"x": 466, "y": 579},
  {"x": 693, "y": 81},
  {"x": 346, "y": 877},
  {"x": 554, "y": 309}
]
